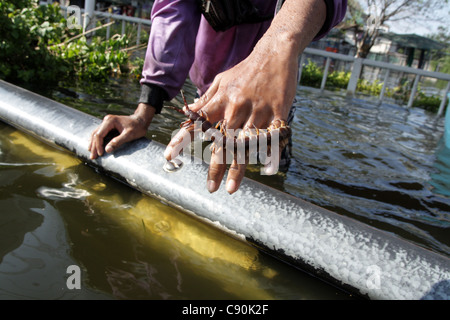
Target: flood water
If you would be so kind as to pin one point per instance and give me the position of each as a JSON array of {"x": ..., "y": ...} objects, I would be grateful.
[
  {"x": 57, "y": 212},
  {"x": 383, "y": 164}
]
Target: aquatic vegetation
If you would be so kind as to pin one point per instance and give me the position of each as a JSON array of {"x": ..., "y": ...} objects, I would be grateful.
[
  {"x": 27, "y": 30},
  {"x": 38, "y": 47},
  {"x": 96, "y": 59}
]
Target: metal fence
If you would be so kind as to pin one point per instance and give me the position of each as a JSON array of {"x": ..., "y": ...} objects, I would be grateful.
[
  {"x": 388, "y": 68},
  {"x": 109, "y": 18}
]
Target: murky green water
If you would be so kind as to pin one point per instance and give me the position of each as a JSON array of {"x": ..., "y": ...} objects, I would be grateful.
[
  {"x": 57, "y": 212},
  {"x": 382, "y": 164}
]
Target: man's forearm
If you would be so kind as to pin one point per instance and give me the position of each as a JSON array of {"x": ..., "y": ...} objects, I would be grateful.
[{"x": 294, "y": 27}]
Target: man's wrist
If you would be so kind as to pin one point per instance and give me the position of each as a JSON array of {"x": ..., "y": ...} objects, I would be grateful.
[
  {"x": 153, "y": 95},
  {"x": 144, "y": 113}
]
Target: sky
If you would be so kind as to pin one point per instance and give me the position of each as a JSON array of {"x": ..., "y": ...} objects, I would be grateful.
[{"x": 423, "y": 28}]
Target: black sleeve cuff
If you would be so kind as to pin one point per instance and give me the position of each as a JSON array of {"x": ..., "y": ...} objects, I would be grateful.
[{"x": 153, "y": 95}]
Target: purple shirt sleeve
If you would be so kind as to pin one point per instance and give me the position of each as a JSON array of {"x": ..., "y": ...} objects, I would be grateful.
[
  {"x": 170, "y": 50},
  {"x": 182, "y": 43},
  {"x": 336, "y": 10}
]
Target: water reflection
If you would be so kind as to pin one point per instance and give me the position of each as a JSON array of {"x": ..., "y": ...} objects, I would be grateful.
[
  {"x": 16, "y": 220},
  {"x": 128, "y": 245}
]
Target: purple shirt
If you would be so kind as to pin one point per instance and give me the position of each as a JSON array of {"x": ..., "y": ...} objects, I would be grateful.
[{"x": 182, "y": 43}]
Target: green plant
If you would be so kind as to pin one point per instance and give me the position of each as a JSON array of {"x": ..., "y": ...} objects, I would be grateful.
[
  {"x": 339, "y": 79},
  {"x": 372, "y": 88},
  {"x": 95, "y": 60},
  {"x": 136, "y": 66},
  {"x": 311, "y": 75},
  {"x": 36, "y": 47},
  {"x": 428, "y": 103},
  {"x": 130, "y": 31},
  {"x": 27, "y": 29}
]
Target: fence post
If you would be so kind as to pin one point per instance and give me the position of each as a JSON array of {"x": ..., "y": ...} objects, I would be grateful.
[
  {"x": 356, "y": 71},
  {"x": 108, "y": 29},
  {"x": 89, "y": 15},
  {"x": 325, "y": 73},
  {"x": 413, "y": 91},
  {"x": 138, "y": 39},
  {"x": 123, "y": 27},
  {"x": 383, "y": 89},
  {"x": 446, "y": 95}
]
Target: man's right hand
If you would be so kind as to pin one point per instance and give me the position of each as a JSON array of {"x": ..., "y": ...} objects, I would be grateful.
[{"x": 129, "y": 127}]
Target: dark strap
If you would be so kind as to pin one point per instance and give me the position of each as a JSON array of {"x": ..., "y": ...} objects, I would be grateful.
[{"x": 224, "y": 14}]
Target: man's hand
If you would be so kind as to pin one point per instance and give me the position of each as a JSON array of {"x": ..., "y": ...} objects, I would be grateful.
[
  {"x": 129, "y": 127},
  {"x": 261, "y": 88}
]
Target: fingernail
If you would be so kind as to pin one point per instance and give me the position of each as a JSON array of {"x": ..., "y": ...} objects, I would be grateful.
[
  {"x": 211, "y": 186},
  {"x": 108, "y": 149},
  {"x": 231, "y": 186}
]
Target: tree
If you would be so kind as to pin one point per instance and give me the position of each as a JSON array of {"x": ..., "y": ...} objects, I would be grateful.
[
  {"x": 380, "y": 12},
  {"x": 354, "y": 19},
  {"x": 442, "y": 57}
]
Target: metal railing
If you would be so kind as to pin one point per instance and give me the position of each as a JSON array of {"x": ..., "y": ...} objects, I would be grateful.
[
  {"x": 358, "y": 64},
  {"x": 111, "y": 17},
  {"x": 124, "y": 18}
]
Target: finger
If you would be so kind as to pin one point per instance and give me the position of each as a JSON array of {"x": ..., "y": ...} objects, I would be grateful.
[
  {"x": 114, "y": 139},
  {"x": 90, "y": 140},
  {"x": 276, "y": 153},
  {"x": 235, "y": 175},
  {"x": 271, "y": 168},
  {"x": 185, "y": 135},
  {"x": 237, "y": 111},
  {"x": 94, "y": 148},
  {"x": 207, "y": 96},
  {"x": 182, "y": 139},
  {"x": 109, "y": 127},
  {"x": 98, "y": 136},
  {"x": 212, "y": 103},
  {"x": 216, "y": 171},
  {"x": 260, "y": 119}
]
